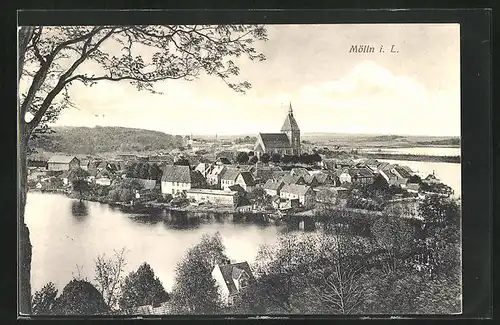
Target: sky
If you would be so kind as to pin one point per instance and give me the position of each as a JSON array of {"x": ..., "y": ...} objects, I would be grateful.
[{"x": 415, "y": 91}]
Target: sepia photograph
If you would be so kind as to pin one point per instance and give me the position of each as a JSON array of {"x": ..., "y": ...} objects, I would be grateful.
[{"x": 273, "y": 169}]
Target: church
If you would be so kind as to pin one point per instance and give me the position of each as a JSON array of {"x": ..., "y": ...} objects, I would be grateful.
[{"x": 285, "y": 143}]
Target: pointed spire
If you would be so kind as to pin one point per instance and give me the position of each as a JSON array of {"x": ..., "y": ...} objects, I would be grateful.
[{"x": 290, "y": 111}]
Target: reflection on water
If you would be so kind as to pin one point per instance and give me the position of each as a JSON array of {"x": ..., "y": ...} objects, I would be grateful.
[
  {"x": 79, "y": 210},
  {"x": 66, "y": 233}
]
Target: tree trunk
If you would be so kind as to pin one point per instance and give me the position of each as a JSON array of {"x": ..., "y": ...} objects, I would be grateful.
[{"x": 24, "y": 244}]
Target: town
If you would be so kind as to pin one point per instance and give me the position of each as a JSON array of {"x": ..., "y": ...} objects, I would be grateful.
[{"x": 278, "y": 175}]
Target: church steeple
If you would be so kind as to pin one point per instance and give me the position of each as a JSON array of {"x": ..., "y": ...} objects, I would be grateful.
[{"x": 291, "y": 128}]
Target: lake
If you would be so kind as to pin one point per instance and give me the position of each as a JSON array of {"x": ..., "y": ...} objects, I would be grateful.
[
  {"x": 65, "y": 234},
  {"x": 426, "y": 151}
]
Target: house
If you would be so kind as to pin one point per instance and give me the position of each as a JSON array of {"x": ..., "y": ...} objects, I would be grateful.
[
  {"x": 324, "y": 178},
  {"x": 413, "y": 187},
  {"x": 204, "y": 168},
  {"x": 272, "y": 187},
  {"x": 177, "y": 179},
  {"x": 311, "y": 180},
  {"x": 344, "y": 175},
  {"x": 223, "y": 161},
  {"x": 328, "y": 194},
  {"x": 289, "y": 179},
  {"x": 61, "y": 162},
  {"x": 214, "y": 177},
  {"x": 228, "y": 178},
  {"x": 303, "y": 193},
  {"x": 103, "y": 181},
  {"x": 361, "y": 175},
  {"x": 219, "y": 197},
  {"x": 402, "y": 172},
  {"x": 392, "y": 176},
  {"x": 432, "y": 178},
  {"x": 127, "y": 157},
  {"x": 285, "y": 143},
  {"x": 370, "y": 163},
  {"x": 299, "y": 172},
  {"x": 246, "y": 181},
  {"x": 231, "y": 278},
  {"x": 263, "y": 174}
]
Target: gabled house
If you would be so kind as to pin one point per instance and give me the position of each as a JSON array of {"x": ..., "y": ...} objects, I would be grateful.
[
  {"x": 228, "y": 178},
  {"x": 245, "y": 180},
  {"x": 324, "y": 178},
  {"x": 231, "y": 279},
  {"x": 289, "y": 179},
  {"x": 178, "y": 179},
  {"x": 303, "y": 193},
  {"x": 402, "y": 172},
  {"x": 392, "y": 176},
  {"x": 361, "y": 175},
  {"x": 214, "y": 177},
  {"x": 344, "y": 175},
  {"x": 273, "y": 188},
  {"x": 62, "y": 162},
  {"x": 204, "y": 169},
  {"x": 311, "y": 180}
]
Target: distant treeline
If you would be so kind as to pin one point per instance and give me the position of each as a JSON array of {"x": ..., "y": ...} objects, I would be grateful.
[
  {"x": 444, "y": 142},
  {"x": 447, "y": 159},
  {"x": 88, "y": 141}
]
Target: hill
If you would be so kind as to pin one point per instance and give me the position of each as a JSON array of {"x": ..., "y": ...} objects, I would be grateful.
[{"x": 95, "y": 140}]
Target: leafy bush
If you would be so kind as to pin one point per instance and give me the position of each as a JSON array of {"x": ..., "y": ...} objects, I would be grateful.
[{"x": 80, "y": 297}]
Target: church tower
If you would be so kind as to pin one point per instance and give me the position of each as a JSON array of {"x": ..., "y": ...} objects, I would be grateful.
[{"x": 291, "y": 128}]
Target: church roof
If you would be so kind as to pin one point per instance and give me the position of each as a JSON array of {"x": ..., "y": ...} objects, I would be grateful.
[{"x": 275, "y": 140}]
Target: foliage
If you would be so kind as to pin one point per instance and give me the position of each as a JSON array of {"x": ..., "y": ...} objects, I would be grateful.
[
  {"x": 44, "y": 300},
  {"x": 253, "y": 160},
  {"x": 103, "y": 139},
  {"x": 80, "y": 297},
  {"x": 259, "y": 197},
  {"x": 78, "y": 179},
  {"x": 195, "y": 291},
  {"x": 141, "y": 288},
  {"x": 246, "y": 139},
  {"x": 109, "y": 277},
  {"x": 124, "y": 190},
  {"x": 436, "y": 188},
  {"x": 396, "y": 237},
  {"x": 275, "y": 157},
  {"x": 241, "y": 157},
  {"x": 264, "y": 158}
]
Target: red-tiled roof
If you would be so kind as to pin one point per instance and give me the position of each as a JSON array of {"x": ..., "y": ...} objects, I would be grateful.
[
  {"x": 176, "y": 173},
  {"x": 295, "y": 189}
]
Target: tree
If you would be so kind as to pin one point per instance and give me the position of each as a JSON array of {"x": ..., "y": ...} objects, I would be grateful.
[
  {"x": 259, "y": 197},
  {"x": 276, "y": 158},
  {"x": 144, "y": 171},
  {"x": 109, "y": 277},
  {"x": 130, "y": 170},
  {"x": 241, "y": 157},
  {"x": 396, "y": 237},
  {"x": 142, "y": 288},
  {"x": 253, "y": 160},
  {"x": 52, "y": 58},
  {"x": 155, "y": 172},
  {"x": 44, "y": 300},
  {"x": 195, "y": 291},
  {"x": 264, "y": 158},
  {"x": 78, "y": 179},
  {"x": 80, "y": 297}
]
